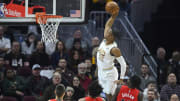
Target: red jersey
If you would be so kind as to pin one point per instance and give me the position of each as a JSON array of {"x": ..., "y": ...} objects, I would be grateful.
[
  {"x": 128, "y": 94},
  {"x": 93, "y": 99},
  {"x": 52, "y": 100}
]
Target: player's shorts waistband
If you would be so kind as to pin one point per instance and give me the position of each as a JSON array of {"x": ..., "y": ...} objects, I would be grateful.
[{"x": 108, "y": 68}]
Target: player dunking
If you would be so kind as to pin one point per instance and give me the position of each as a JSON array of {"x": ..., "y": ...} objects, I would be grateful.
[{"x": 107, "y": 52}]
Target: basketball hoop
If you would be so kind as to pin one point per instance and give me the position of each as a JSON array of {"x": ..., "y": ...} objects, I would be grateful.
[{"x": 49, "y": 25}]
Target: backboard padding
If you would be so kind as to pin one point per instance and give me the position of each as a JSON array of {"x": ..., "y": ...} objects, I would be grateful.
[{"x": 73, "y": 11}]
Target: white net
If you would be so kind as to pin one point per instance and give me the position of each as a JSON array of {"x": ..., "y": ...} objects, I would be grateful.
[{"x": 49, "y": 27}]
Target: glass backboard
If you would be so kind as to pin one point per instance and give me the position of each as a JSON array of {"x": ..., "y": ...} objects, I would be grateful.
[{"x": 23, "y": 11}]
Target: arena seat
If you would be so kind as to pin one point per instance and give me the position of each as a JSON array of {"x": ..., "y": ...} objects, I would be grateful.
[
  {"x": 8, "y": 98},
  {"x": 29, "y": 98}
]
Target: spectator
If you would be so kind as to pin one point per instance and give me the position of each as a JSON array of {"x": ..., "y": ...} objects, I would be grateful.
[
  {"x": 36, "y": 83},
  {"x": 84, "y": 80},
  {"x": 48, "y": 93},
  {"x": 123, "y": 92},
  {"x": 79, "y": 92},
  {"x": 94, "y": 91},
  {"x": 77, "y": 47},
  {"x": 63, "y": 81},
  {"x": 69, "y": 94},
  {"x": 5, "y": 43},
  {"x": 1, "y": 82},
  {"x": 175, "y": 65},
  {"x": 13, "y": 85},
  {"x": 175, "y": 57},
  {"x": 2, "y": 64},
  {"x": 162, "y": 66},
  {"x": 74, "y": 61},
  {"x": 9, "y": 32},
  {"x": 15, "y": 58},
  {"x": 151, "y": 95},
  {"x": 151, "y": 85},
  {"x": 59, "y": 53},
  {"x": 67, "y": 75},
  {"x": 95, "y": 44},
  {"x": 39, "y": 56},
  {"x": 28, "y": 46},
  {"x": 77, "y": 34},
  {"x": 174, "y": 97},
  {"x": 59, "y": 92},
  {"x": 90, "y": 71},
  {"x": 170, "y": 88},
  {"x": 145, "y": 76}
]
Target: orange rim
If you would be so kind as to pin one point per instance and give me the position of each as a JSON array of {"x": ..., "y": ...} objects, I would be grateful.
[{"x": 43, "y": 17}]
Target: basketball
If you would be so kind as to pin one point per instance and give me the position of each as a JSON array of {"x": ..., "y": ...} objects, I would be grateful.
[{"x": 112, "y": 7}]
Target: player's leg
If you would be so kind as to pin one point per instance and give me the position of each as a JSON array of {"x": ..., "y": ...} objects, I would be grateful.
[
  {"x": 110, "y": 85},
  {"x": 102, "y": 81},
  {"x": 109, "y": 97},
  {"x": 109, "y": 89}
]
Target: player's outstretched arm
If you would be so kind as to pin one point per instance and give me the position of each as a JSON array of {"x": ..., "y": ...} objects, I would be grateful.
[
  {"x": 110, "y": 22},
  {"x": 117, "y": 53}
]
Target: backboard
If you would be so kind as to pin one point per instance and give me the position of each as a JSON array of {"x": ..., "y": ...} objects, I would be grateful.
[{"x": 23, "y": 11}]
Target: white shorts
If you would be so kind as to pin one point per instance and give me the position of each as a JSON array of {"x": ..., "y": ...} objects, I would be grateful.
[{"x": 106, "y": 79}]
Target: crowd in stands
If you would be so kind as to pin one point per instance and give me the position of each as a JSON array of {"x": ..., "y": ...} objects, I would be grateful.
[{"x": 26, "y": 69}]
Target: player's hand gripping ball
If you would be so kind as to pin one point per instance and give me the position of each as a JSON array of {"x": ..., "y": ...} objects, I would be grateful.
[{"x": 112, "y": 8}]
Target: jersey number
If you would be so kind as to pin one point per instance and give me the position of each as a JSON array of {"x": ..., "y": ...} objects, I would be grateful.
[{"x": 15, "y": 62}]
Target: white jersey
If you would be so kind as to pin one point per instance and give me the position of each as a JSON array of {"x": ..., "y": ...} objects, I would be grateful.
[{"x": 104, "y": 58}]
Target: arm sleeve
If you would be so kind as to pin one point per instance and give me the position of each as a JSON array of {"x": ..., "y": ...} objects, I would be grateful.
[{"x": 123, "y": 66}]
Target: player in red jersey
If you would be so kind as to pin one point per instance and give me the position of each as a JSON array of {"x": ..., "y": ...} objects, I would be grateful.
[
  {"x": 129, "y": 92},
  {"x": 94, "y": 91},
  {"x": 59, "y": 92}
]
